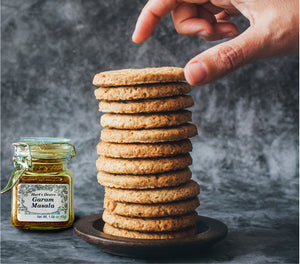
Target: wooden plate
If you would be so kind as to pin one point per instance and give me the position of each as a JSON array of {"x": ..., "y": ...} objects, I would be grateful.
[{"x": 209, "y": 232}]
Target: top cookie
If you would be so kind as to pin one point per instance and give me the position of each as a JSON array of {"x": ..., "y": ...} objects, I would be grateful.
[{"x": 139, "y": 76}]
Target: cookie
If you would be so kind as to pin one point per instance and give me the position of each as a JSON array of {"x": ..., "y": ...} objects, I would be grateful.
[
  {"x": 125, "y": 181},
  {"x": 140, "y": 121},
  {"x": 143, "y": 166},
  {"x": 156, "y": 224},
  {"x": 152, "y": 150},
  {"x": 142, "y": 91},
  {"x": 147, "y": 106},
  {"x": 151, "y": 210},
  {"x": 108, "y": 229},
  {"x": 149, "y": 135},
  {"x": 138, "y": 76},
  {"x": 150, "y": 196}
]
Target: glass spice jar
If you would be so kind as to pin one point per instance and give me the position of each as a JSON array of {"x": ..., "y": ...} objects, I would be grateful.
[{"x": 41, "y": 183}]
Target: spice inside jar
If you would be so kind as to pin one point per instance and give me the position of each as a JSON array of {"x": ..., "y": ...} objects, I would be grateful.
[{"x": 42, "y": 185}]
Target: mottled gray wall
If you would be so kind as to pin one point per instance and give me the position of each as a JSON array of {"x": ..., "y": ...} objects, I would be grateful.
[{"x": 247, "y": 147}]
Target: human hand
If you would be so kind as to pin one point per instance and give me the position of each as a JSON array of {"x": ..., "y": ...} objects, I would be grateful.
[{"x": 273, "y": 31}]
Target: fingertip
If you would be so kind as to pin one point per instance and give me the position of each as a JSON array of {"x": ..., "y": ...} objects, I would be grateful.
[
  {"x": 138, "y": 39},
  {"x": 137, "y": 36},
  {"x": 134, "y": 37},
  {"x": 195, "y": 73},
  {"x": 143, "y": 31}
]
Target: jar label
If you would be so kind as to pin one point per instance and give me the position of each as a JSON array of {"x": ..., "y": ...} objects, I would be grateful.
[{"x": 43, "y": 202}]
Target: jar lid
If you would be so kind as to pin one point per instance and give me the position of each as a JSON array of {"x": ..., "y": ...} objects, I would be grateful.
[
  {"x": 44, "y": 148},
  {"x": 44, "y": 140}
]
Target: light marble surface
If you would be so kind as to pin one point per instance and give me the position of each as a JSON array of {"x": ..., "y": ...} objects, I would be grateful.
[{"x": 246, "y": 155}]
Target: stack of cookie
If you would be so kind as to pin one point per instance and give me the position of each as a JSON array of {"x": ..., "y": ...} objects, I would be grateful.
[{"x": 144, "y": 153}]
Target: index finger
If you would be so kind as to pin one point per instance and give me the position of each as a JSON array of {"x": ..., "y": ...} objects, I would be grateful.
[{"x": 150, "y": 17}]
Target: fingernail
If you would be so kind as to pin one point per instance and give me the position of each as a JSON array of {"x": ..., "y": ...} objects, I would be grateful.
[
  {"x": 133, "y": 36},
  {"x": 195, "y": 73}
]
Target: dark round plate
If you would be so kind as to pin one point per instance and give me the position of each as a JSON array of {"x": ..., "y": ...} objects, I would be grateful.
[{"x": 209, "y": 232}]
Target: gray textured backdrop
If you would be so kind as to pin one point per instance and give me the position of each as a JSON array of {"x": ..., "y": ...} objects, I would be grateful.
[{"x": 246, "y": 153}]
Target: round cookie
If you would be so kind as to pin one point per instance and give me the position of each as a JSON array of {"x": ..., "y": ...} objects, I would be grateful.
[
  {"x": 149, "y": 135},
  {"x": 143, "y": 166},
  {"x": 147, "y": 106},
  {"x": 151, "y": 210},
  {"x": 152, "y": 150},
  {"x": 108, "y": 229},
  {"x": 139, "y": 76},
  {"x": 143, "y": 91},
  {"x": 150, "y": 196},
  {"x": 159, "y": 224},
  {"x": 140, "y": 121},
  {"x": 125, "y": 181}
]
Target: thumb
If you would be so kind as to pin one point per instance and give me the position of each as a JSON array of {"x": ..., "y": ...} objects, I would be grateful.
[{"x": 224, "y": 58}]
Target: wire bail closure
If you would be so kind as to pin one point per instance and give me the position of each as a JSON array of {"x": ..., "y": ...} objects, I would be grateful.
[
  {"x": 19, "y": 163},
  {"x": 24, "y": 162}
]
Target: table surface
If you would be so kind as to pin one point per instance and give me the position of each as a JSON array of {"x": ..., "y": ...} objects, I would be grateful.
[{"x": 262, "y": 227}]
